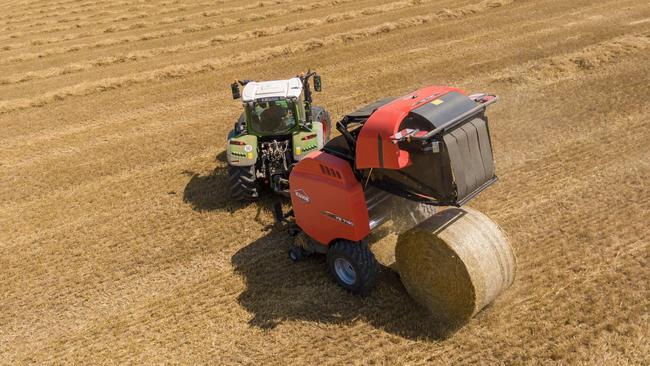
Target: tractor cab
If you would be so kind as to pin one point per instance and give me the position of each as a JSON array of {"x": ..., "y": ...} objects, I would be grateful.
[
  {"x": 274, "y": 107},
  {"x": 272, "y": 117}
]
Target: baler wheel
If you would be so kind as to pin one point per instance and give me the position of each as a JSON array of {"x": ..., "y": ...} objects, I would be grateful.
[
  {"x": 297, "y": 254},
  {"x": 242, "y": 182},
  {"x": 353, "y": 266}
]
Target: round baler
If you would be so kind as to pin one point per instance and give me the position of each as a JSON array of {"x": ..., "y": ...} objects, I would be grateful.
[{"x": 411, "y": 161}]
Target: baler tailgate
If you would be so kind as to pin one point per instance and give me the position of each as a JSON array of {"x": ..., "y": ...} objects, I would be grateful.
[{"x": 470, "y": 155}]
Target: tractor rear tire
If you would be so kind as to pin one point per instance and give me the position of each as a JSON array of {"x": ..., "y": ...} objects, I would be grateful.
[
  {"x": 242, "y": 182},
  {"x": 327, "y": 126},
  {"x": 321, "y": 115},
  {"x": 353, "y": 266}
]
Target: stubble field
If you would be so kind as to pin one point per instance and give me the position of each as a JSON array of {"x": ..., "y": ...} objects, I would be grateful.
[{"x": 118, "y": 243}]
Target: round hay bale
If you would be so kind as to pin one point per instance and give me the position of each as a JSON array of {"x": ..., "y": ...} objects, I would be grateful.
[{"x": 455, "y": 263}]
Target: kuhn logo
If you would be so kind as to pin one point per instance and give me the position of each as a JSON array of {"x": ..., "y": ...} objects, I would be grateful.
[{"x": 302, "y": 195}]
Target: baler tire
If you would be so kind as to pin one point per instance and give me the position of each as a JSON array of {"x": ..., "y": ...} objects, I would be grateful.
[
  {"x": 242, "y": 182},
  {"x": 362, "y": 260},
  {"x": 297, "y": 254}
]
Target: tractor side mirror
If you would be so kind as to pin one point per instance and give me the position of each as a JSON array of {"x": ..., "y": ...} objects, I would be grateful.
[
  {"x": 235, "y": 90},
  {"x": 317, "y": 83}
]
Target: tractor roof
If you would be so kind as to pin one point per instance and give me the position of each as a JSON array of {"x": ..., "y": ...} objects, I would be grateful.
[{"x": 254, "y": 90}]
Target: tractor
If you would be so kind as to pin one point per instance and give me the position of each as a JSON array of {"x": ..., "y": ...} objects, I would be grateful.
[
  {"x": 278, "y": 127},
  {"x": 414, "y": 161}
]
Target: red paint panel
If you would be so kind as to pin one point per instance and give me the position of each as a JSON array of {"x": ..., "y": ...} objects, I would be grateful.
[
  {"x": 374, "y": 147},
  {"x": 327, "y": 199}
]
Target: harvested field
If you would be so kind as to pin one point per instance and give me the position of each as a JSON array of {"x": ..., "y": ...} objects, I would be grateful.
[{"x": 118, "y": 243}]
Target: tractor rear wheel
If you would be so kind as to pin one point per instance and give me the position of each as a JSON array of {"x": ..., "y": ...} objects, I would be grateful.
[
  {"x": 353, "y": 266},
  {"x": 321, "y": 115},
  {"x": 327, "y": 126},
  {"x": 242, "y": 182}
]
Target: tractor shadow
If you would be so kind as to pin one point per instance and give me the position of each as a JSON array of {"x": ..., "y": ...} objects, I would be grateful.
[
  {"x": 210, "y": 192},
  {"x": 278, "y": 290}
]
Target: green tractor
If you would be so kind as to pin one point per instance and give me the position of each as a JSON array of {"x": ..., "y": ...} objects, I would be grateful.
[{"x": 278, "y": 127}]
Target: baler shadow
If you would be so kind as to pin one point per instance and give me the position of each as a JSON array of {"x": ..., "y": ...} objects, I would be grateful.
[{"x": 278, "y": 290}]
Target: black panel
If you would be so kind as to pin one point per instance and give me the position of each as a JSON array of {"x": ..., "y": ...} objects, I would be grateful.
[
  {"x": 470, "y": 155},
  {"x": 462, "y": 168},
  {"x": 429, "y": 175},
  {"x": 338, "y": 146},
  {"x": 439, "y": 111},
  {"x": 366, "y": 111}
]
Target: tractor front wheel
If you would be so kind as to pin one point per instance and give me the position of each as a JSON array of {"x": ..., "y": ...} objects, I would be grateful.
[
  {"x": 353, "y": 266},
  {"x": 242, "y": 182}
]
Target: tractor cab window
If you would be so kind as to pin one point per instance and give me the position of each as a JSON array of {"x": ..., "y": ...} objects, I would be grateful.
[{"x": 276, "y": 116}]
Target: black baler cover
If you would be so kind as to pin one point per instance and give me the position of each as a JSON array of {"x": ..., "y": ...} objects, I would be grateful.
[
  {"x": 366, "y": 111},
  {"x": 462, "y": 167},
  {"x": 442, "y": 109}
]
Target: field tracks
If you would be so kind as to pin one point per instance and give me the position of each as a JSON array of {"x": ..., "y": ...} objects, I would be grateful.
[
  {"x": 592, "y": 57},
  {"x": 43, "y": 15},
  {"x": 189, "y": 28},
  {"x": 179, "y": 71},
  {"x": 84, "y": 22},
  {"x": 198, "y": 45}
]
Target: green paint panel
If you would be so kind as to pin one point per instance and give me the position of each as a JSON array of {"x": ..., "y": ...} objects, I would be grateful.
[
  {"x": 305, "y": 142},
  {"x": 242, "y": 150}
]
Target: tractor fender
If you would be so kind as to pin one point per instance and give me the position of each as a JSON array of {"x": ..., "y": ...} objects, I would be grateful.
[
  {"x": 241, "y": 150},
  {"x": 306, "y": 141}
]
